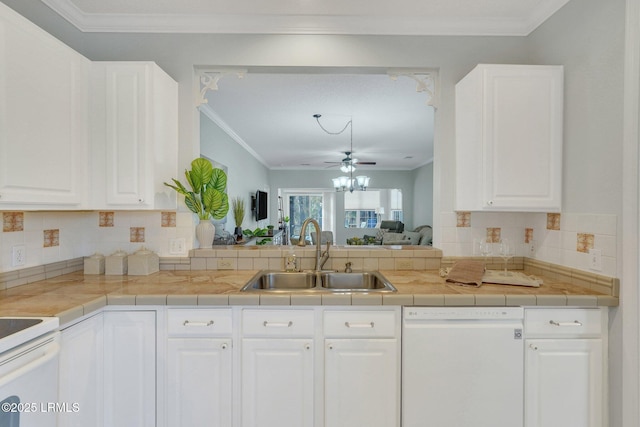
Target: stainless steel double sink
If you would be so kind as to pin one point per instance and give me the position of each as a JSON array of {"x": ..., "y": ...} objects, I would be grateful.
[{"x": 324, "y": 281}]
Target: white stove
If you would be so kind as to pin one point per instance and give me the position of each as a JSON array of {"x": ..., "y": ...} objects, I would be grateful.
[
  {"x": 29, "y": 349},
  {"x": 15, "y": 331}
]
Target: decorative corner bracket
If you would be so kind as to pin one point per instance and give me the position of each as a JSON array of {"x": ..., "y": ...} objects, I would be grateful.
[
  {"x": 209, "y": 81},
  {"x": 426, "y": 81}
]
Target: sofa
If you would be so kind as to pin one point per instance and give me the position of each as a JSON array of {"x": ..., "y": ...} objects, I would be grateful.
[{"x": 420, "y": 236}]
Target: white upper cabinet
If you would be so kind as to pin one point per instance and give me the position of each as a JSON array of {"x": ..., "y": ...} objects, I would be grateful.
[
  {"x": 509, "y": 138},
  {"x": 134, "y": 135},
  {"x": 43, "y": 118}
]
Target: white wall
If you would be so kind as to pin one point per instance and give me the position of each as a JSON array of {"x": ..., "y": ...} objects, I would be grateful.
[
  {"x": 245, "y": 174},
  {"x": 423, "y": 195}
]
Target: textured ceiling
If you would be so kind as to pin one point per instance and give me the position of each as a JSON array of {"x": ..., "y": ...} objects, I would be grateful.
[{"x": 272, "y": 115}]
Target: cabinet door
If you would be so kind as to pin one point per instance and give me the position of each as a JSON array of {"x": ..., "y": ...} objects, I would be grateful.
[
  {"x": 362, "y": 383},
  {"x": 130, "y": 368},
  {"x": 277, "y": 382},
  {"x": 43, "y": 118},
  {"x": 564, "y": 383},
  {"x": 81, "y": 380},
  {"x": 199, "y": 382},
  {"x": 134, "y": 135},
  {"x": 523, "y": 137},
  {"x": 509, "y": 138}
]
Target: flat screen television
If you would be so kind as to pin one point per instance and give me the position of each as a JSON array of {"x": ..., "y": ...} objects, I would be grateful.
[{"x": 261, "y": 205}]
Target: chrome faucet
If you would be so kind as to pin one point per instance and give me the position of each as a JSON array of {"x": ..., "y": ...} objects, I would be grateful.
[{"x": 321, "y": 259}]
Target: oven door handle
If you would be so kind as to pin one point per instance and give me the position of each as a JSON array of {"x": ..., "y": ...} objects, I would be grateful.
[{"x": 51, "y": 351}]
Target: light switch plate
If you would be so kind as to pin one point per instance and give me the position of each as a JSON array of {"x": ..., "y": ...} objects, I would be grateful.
[
  {"x": 595, "y": 259},
  {"x": 178, "y": 246}
]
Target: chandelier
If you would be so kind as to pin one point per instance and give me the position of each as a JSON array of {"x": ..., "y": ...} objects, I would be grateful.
[{"x": 348, "y": 164}]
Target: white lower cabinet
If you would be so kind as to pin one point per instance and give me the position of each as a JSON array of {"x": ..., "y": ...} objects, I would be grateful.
[
  {"x": 130, "y": 368},
  {"x": 361, "y": 368},
  {"x": 360, "y": 377},
  {"x": 199, "y": 368},
  {"x": 81, "y": 379},
  {"x": 327, "y": 367},
  {"x": 302, "y": 367},
  {"x": 565, "y": 368},
  {"x": 277, "y": 368}
]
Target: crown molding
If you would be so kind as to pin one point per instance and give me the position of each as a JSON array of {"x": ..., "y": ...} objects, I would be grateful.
[
  {"x": 208, "y": 111},
  {"x": 300, "y": 24}
]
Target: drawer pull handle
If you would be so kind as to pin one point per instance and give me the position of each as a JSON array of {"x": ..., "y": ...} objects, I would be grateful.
[
  {"x": 533, "y": 347},
  {"x": 359, "y": 325},
  {"x": 190, "y": 323},
  {"x": 268, "y": 324},
  {"x": 224, "y": 346},
  {"x": 574, "y": 323}
]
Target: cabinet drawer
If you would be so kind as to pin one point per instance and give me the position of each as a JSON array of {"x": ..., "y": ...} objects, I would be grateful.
[
  {"x": 279, "y": 323},
  {"x": 196, "y": 322},
  {"x": 562, "y": 322},
  {"x": 360, "y": 323}
]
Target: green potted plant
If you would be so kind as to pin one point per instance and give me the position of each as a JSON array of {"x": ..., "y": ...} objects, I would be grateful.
[
  {"x": 237, "y": 206},
  {"x": 207, "y": 197}
]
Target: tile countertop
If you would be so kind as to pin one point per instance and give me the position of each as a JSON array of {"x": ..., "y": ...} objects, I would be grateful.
[{"x": 73, "y": 295}]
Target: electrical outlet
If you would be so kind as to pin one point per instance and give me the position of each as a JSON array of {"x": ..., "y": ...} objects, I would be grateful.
[
  {"x": 225, "y": 264},
  {"x": 404, "y": 264},
  {"x": 595, "y": 259},
  {"x": 19, "y": 256},
  {"x": 177, "y": 246},
  {"x": 532, "y": 248}
]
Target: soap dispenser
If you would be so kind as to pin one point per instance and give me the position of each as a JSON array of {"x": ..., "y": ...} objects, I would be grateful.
[{"x": 291, "y": 261}]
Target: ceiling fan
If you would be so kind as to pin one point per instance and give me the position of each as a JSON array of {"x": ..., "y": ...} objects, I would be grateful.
[{"x": 348, "y": 164}]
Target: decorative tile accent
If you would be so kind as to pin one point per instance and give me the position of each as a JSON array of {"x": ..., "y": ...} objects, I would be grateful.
[
  {"x": 585, "y": 242},
  {"x": 463, "y": 219},
  {"x": 106, "y": 219},
  {"x": 528, "y": 235},
  {"x": 493, "y": 234},
  {"x": 12, "y": 221},
  {"x": 51, "y": 238},
  {"x": 136, "y": 234},
  {"x": 553, "y": 221},
  {"x": 168, "y": 219}
]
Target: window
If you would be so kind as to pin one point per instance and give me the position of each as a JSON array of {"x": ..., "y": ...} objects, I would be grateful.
[
  {"x": 365, "y": 209},
  {"x": 301, "y": 207},
  {"x": 360, "y": 219}
]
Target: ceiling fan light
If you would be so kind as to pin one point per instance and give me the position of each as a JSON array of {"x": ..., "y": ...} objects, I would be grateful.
[
  {"x": 336, "y": 183},
  {"x": 363, "y": 181},
  {"x": 344, "y": 181},
  {"x": 347, "y": 168}
]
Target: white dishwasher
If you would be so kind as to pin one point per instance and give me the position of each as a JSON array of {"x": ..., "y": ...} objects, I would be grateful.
[{"x": 462, "y": 367}]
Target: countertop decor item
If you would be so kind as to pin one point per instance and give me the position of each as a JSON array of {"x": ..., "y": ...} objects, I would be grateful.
[
  {"x": 207, "y": 197},
  {"x": 94, "y": 264},
  {"x": 143, "y": 263},
  {"x": 237, "y": 206},
  {"x": 116, "y": 263}
]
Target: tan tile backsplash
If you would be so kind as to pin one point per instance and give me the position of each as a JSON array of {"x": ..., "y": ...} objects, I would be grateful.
[
  {"x": 168, "y": 219},
  {"x": 553, "y": 221},
  {"x": 106, "y": 219},
  {"x": 51, "y": 238},
  {"x": 12, "y": 221},
  {"x": 136, "y": 234},
  {"x": 528, "y": 235},
  {"x": 463, "y": 219},
  {"x": 493, "y": 234},
  {"x": 585, "y": 242}
]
